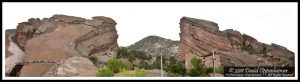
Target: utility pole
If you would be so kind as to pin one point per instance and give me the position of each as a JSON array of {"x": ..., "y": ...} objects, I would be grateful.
[
  {"x": 214, "y": 70},
  {"x": 161, "y": 66}
]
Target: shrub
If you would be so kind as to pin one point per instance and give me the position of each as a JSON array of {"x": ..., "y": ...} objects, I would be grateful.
[
  {"x": 156, "y": 63},
  {"x": 141, "y": 55},
  {"x": 132, "y": 55},
  {"x": 246, "y": 48},
  {"x": 94, "y": 59},
  {"x": 117, "y": 64},
  {"x": 104, "y": 72},
  {"x": 122, "y": 52},
  {"x": 171, "y": 74},
  {"x": 137, "y": 72},
  {"x": 197, "y": 68},
  {"x": 144, "y": 64},
  {"x": 283, "y": 63},
  {"x": 176, "y": 67},
  {"x": 209, "y": 70},
  {"x": 220, "y": 69}
]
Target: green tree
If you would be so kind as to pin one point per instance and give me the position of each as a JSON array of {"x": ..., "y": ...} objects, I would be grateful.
[
  {"x": 141, "y": 55},
  {"x": 132, "y": 55},
  {"x": 197, "y": 68},
  {"x": 144, "y": 64},
  {"x": 104, "y": 72},
  {"x": 156, "y": 63},
  {"x": 172, "y": 60},
  {"x": 122, "y": 52},
  {"x": 176, "y": 67}
]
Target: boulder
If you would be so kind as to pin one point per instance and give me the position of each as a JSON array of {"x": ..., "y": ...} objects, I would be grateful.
[
  {"x": 52, "y": 40},
  {"x": 13, "y": 54},
  {"x": 72, "y": 67}
]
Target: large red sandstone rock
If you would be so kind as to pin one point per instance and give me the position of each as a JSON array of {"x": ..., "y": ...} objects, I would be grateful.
[
  {"x": 61, "y": 37},
  {"x": 35, "y": 27},
  {"x": 200, "y": 38}
]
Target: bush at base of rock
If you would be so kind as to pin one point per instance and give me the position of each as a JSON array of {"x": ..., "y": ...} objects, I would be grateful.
[
  {"x": 217, "y": 70},
  {"x": 282, "y": 63},
  {"x": 137, "y": 72},
  {"x": 116, "y": 64},
  {"x": 171, "y": 74},
  {"x": 104, "y": 72},
  {"x": 176, "y": 67},
  {"x": 197, "y": 68},
  {"x": 94, "y": 59}
]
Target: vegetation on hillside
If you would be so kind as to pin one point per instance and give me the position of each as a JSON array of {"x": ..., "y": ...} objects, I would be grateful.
[
  {"x": 122, "y": 64},
  {"x": 132, "y": 55}
]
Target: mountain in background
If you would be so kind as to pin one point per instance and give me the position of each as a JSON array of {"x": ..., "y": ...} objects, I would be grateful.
[{"x": 156, "y": 45}]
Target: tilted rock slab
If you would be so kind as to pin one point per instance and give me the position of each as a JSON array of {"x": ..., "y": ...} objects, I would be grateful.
[{"x": 200, "y": 38}]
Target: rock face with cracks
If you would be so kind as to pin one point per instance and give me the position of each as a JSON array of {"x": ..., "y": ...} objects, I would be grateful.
[
  {"x": 201, "y": 38},
  {"x": 74, "y": 66},
  {"x": 50, "y": 41}
]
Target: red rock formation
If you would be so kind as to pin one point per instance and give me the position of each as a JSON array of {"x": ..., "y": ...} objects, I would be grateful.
[
  {"x": 50, "y": 41},
  {"x": 200, "y": 38}
]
